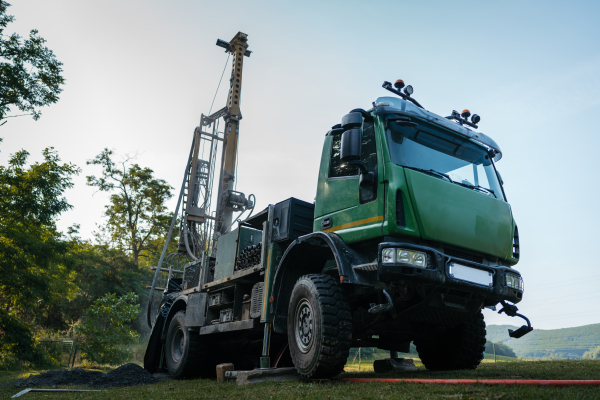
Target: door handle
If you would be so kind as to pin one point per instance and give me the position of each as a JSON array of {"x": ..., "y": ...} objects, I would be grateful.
[{"x": 326, "y": 223}]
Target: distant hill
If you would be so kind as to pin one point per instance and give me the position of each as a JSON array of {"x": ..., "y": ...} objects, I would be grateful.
[{"x": 566, "y": 342}]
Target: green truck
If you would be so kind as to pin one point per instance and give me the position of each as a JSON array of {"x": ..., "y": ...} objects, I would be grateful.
[{"x": 410, "y": 236}]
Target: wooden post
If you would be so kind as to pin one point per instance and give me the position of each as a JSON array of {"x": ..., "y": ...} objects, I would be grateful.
[{"x": 359, "y": 358}]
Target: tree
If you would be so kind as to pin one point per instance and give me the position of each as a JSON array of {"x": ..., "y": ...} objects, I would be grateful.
[
  {"x": 102, "y": 270},
  {"x": 501, "y": 349},
  {"x": 36, "y": 268},
  {"x": 136, "y": 215},
  {"x": 30, "y": 74},
  {"x": 592, "y": 354},
  {"x": 104, "y": 329}
]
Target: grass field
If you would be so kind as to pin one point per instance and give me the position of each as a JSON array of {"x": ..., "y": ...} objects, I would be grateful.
[{"x": 293, "y": 390}]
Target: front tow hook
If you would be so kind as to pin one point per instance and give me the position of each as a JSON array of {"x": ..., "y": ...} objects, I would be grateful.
[{"x": 511, "y": 311}]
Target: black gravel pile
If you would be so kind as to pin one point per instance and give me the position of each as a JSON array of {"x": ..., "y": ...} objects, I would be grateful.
[
  {"x": 125, "y": 375},
  {"x": 59, "y": 377}
]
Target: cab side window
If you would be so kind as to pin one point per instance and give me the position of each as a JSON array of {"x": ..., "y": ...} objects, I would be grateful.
[
  {"x": 368, "y": 151},
  {"x": 337, "y": 169}
]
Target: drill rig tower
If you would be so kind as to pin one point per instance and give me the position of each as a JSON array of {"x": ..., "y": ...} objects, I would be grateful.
[{"x": 200, "y": 226}]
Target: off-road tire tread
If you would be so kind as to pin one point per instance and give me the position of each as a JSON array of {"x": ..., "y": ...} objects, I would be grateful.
[
  {"x": 337, "y": 327},
  {"x": 463, "y": 348}
]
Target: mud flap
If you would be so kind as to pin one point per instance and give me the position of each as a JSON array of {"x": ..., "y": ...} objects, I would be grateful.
[{"x": 154, "y": 348}]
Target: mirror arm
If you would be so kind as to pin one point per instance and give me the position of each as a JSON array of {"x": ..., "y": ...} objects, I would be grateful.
[
  {"x": 366, "y": 177},
  {"x": 360, "y": 165}
]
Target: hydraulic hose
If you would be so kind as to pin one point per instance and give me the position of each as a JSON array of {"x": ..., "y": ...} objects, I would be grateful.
[{"x": 536, "y": 382}]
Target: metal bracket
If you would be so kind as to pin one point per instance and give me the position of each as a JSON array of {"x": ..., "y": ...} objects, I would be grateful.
[{"x": 511, "y": 311}]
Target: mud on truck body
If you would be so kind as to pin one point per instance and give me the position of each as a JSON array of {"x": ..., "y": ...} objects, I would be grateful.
[{"x": 409, "y": 238}]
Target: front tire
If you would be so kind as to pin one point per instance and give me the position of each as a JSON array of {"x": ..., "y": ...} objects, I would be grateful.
[
  {"x": 319, "y": 326},
  {"x": 461, "y": 347},
  {"x": 186, "y": 353}
]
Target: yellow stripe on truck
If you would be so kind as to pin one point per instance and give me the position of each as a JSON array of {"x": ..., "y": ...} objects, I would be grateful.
[{"x": 355, "y": 223}]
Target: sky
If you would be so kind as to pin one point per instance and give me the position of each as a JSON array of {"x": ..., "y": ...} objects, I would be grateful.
[{"x": 140, "y": 73}]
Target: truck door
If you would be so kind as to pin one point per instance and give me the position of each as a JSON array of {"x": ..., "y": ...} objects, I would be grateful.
[{"x": 343, "y": 206}]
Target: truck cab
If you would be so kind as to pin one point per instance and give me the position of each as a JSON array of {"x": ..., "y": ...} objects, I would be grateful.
[{"x": 433, "y": 186}]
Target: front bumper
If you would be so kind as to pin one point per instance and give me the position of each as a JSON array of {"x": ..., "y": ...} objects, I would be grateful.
[{"x": 437, "y": 273}]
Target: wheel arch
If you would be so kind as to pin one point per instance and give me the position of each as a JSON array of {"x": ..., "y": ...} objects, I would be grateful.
[
  {"x": 180, "y": 304},
  {"x": 307, "y": 255}
]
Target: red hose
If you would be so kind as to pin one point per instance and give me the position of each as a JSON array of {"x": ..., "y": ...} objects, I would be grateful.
[{"x": 482, "y": 381}]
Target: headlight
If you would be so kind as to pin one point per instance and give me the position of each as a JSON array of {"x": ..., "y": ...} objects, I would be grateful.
[
  {"x": 401, "y": 256},
  {"x": 388, "y": 256},
  {"x": 514, "y": 281}
]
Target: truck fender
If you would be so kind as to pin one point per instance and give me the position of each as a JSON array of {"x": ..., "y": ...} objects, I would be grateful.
[
  {"x": 159, "y": 333},
  {"x": 179, "y": 304},
  {"x": 308, "y": 255},
  {"x": 153, "y": 349}
]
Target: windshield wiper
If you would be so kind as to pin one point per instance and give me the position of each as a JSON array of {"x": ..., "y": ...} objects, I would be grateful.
[
  {"x": 432, "y": 172},
  {"x": 477, "y": 187}
]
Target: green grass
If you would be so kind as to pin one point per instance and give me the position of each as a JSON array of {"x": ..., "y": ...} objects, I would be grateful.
[{"x": 208, "y": 389}]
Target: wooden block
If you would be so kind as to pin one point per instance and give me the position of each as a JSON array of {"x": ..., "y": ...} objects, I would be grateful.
[
  {"x": 394, "y": 364},
  {"x": 221, "y": 368}
]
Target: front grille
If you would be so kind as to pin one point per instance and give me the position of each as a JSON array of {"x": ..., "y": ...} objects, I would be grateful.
[{"x": 463, "y": 255}]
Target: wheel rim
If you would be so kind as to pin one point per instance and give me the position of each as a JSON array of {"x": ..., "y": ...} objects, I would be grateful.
[
  {"x": 304, "y": 326},
  {"x": 178, "y": 345}
]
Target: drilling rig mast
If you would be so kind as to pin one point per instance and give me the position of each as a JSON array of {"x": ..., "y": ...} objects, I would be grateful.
[{"x": 200, "y": 227}]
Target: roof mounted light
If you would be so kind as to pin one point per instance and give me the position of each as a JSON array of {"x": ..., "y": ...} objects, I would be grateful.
[
  {"x": 399, "y": 84},
  {"x": 408, "y": 90},
  {"x": 463, "y": 118}
]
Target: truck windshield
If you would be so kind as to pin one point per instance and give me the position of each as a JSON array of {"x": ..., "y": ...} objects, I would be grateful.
[{"x": 439, "y": 153}]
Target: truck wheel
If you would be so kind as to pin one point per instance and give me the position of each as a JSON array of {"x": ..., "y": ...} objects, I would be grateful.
[
  {"x": 186, "y": 352},
  {"x": 319, "y": 326},
  {"x": 460, "y": 348}
]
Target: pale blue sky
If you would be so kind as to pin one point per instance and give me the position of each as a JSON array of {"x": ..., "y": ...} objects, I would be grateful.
[{"x": 139, "y": 73}]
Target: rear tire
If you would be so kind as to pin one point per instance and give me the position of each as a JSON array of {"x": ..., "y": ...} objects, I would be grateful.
[
  {"x": 319, "y": 326},
  {"x": 187, "y": 353},
  {"x": 461, "y": 347}
]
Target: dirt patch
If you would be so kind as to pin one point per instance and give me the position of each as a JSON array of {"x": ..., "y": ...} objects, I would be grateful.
[
  {"x": 59, "y": 377},
  {"x": 125, "y": 375}
]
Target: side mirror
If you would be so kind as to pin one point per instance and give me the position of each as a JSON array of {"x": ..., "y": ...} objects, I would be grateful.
[
  {"x": 351, "y": 145},
  {"x": 352, "y": 120}
]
